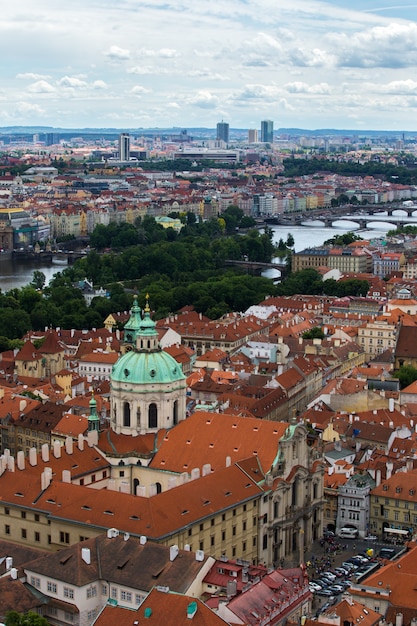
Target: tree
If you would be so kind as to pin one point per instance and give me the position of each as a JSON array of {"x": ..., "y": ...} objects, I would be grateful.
[
  {"x": 314, "y": 333},
  {"x": 407, "y": 374},
  {"x": 38, "y": 280},
  {"x": 13, "y": 618},
  {"x": 290, "y": 241}
]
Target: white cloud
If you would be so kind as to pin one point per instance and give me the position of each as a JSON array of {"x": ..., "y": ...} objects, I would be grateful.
[
  {"x": 300, "y": 87},
  {"x": 117, "y": 54},
  {"x": 204, "y": 100},
  {"x": 73, "y": 82},
  {"x": 99, "y": 84},
  {"x": 32, "y": 76},
  {"x": 138, "y": 90},
  {"x": 41, "y": 86}
]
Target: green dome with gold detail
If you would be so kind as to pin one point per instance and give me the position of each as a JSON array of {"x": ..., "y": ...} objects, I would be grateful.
[{"x": 147, "y": 363}]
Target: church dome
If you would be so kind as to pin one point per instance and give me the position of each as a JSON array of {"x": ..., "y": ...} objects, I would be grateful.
[{"x": 142, "y": 368}]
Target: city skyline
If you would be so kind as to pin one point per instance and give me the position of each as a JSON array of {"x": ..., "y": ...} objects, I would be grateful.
[{"x": 316, "y": 65}]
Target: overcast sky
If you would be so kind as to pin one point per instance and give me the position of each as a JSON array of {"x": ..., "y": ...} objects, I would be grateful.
[{"x": 188, "y": 63}]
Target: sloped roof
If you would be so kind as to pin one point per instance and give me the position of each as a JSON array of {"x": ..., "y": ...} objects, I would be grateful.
[{"x": 213, "y": 437}]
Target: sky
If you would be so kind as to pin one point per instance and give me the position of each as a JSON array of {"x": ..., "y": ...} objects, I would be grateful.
[{"x": 192, "y": 63}]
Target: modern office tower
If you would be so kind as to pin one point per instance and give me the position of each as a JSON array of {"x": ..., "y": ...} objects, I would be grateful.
[
  {"x": 267, "y": 131},
  {"x": 252, "y": 135},
  {"x": 124, "y": 147},
  {"x": 223, "y": 132}
]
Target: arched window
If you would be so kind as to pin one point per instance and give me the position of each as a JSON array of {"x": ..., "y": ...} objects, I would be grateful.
[
  {"x": 126, "y": 414},
  {"x": 153, "y": 416},
  {"x": 175, "y": 412},
  {"x": 158, "y": 487},
  {"x": 135, "y": 485}
]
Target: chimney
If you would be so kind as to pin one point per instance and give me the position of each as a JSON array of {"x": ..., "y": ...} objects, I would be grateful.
[
  {"x": 390, "y": 467},
  {"x": 173, "y": 552},
  {"x": 86, "y": 555},
  {"x": 378, "y": 478},
  {"x": 69, "y": 445},
  {"x": 228, "y": 461},
  {"x": 152, "y": 490},
  {"x": 13, "y": 573},
  {"x": 33, "y": 457},
  {"x": 57, "y": 449},
  {"x": 206, "y": 469},
  {"x": 141, "y": 491},
  {"x": 10, "y": 464},
  {"x": 45, "y": 453},
  {"x": 195, "y": 473},
  {"x": 45, "y": 480},
  {"x": 66, "y": 476},
  {"x": 391, "y": 405},
  {"x": 92, "y": 438},
  {"x": 142, "y": 540},
  {"x": 399, "y": 619},
  {"x": 21, "y": 460},
  {"x": 9, "y": 562}
]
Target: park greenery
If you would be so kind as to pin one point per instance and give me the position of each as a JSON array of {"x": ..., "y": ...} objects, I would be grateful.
[
  {"x": 193, "y": 267},
  {"x": 408, "y": 229},
  {"x": 404, "y": 174}
]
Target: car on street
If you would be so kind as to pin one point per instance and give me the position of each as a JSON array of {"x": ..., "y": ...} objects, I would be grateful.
[{"x": 324, "y": 592}]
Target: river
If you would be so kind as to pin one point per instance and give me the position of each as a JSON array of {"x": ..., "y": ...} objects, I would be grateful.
[{"x": 16, "y": 275}]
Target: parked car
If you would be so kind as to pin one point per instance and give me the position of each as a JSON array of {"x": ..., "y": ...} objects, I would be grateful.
[
  {"x": 324, "y": 592},
  {"x": 348, "y": 533},
  {"x": 330, "y": 576},
  {"x": 314, "y": 586},
  {"x": 336, "y": 589}
]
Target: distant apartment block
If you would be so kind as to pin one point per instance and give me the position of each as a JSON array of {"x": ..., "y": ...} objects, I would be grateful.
[{"x": 223, "y": 132}]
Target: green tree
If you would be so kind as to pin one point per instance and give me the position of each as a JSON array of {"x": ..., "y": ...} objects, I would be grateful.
[
  {"x": 314, "y": 333},
  {"x": 13, "y": 618},
  {"x": 290, "y": 241},
  {"x": 407, "y": 374},
  {"x": 38, "y": 280}
]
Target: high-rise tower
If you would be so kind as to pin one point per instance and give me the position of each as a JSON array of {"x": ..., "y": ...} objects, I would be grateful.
[
  {"x": 124, "y": 147},
  {"x": 223, "y": 132},
  {"x": 267, "y": 131}
]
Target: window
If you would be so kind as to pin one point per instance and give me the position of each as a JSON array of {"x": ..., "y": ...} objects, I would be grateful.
[
  {"x": 6, "y": 510},
  {"x": 153, "y": 416},
  {"x": 121, "y": 473},
  {"x": 37, "y": 537},
  {"x": 64, "y": 537},
  {"x": 233, "y": 530},
  {"x": 23, "y": 514},
  {"x": 35, "y": 582},
  {"x": 244, "y": 546},
  {"x": 114, "y": 593},
  {"x": 223, "y": 535},
  {"x": 68, "y": 593},
  {"x": 91, "y": 614},
  {"x": 69, "y": 617},
  {"x": 201, "y": 545},
  {"x": 104, "y": 590},
  {"x": 138, "y": 598},
  {"x": 223, "y": 517},
  {"x": 126, "y": 596},
  {"x": 91, "y": 592},
  {"x": 51, "y": 587},
  {"x": 24, "y": 533},
  {"x": 201, "y": 526},
  {"x": 36, "y": 517},
  {"x": 7, "y": 529}
]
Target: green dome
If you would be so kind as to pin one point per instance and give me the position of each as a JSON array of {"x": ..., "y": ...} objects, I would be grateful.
[{"x": 147, "y": 367}]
